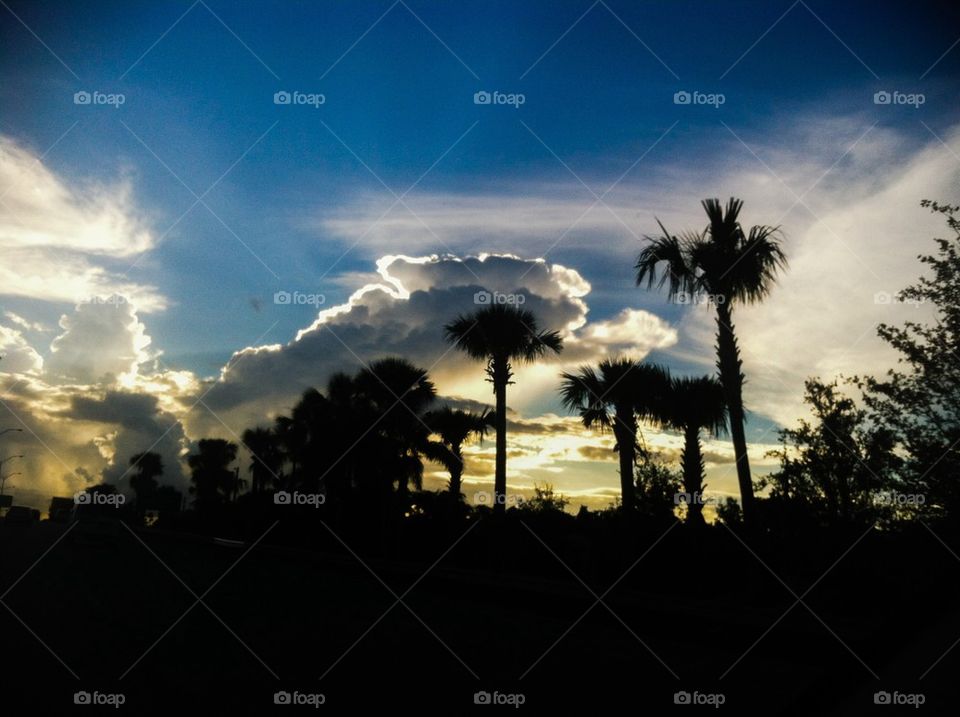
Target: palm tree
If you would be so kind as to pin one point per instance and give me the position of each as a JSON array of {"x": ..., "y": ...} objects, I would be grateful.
[
  {"x": 266, "y": 458},
  {"x": 500, "y": 335},
  {"x": 144, "y": 481},
  {"x": 695, "y": 404},
  {"x": 455, "y": 427},
  {"x": 723, "y": 264},
  {"x": 613, "y": 396},
  {"x": 213, "y": 481},
  {"x": 400, "y": 393}
]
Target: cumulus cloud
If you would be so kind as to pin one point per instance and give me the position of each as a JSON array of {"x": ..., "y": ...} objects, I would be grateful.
[
  {"x": 845, "y": 190},
  {"x": 404, "y": 314},
  {"x": 16, "y": 355},
  {"x": 101, "y": 341}
]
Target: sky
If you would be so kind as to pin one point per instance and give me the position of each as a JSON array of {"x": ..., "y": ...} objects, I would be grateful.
[{"x": 158, "y": 198}]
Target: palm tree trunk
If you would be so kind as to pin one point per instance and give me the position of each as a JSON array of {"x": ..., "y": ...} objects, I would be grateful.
[
  {"x": 692, "y": 461},
  {"x": 456, "y": 472},
  {"x": 731, "y": 377},
  {"x": 626, "y": 441},
  {"x": 500, "y": 378}
]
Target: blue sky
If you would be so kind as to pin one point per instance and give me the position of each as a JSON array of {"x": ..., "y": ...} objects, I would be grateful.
[{"x": 294, "y": 185}]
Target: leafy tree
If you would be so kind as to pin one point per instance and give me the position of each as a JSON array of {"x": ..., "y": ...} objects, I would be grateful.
[
  {"x": 919, "y": 401},
  {"x": 835, "y": 468},
  {"x": 657, "y": 486}
]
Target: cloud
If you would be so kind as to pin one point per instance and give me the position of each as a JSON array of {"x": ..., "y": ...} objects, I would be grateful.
[
  {"x": 101, "y": 341},
  {"x": 403, "y": 313},
  {"x": 58, "y": 238},
  {"x": 17, "y": 355}
]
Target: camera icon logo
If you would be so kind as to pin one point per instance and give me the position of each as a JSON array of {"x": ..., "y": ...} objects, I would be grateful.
[
  {"x": 481, "y": 98},
  {"x": 81, "y": 698},
  {"x": 481, "y": 698},
  {"x": 482, "y": 298},
  {"x": 681, "y": 98},
  {"x": 281, "y": 497},
  {"x": 281, "y": 297},
  {"x": 881, "y": 98},
  {"x": 281, "y": 698},
  {"x": 681, "y": 698},
  {"x": 882, "y": 297},
  {"x": 281, "y": 98},
  {"x": 81, "y": 498},
  {"x": 682, "y": 499},
  {"x": 81, "y": 98},
  {"x": 881, "y": 698}
]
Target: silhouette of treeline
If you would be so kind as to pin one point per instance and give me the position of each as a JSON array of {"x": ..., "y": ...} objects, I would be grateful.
[{"x": 363, "y": 442}]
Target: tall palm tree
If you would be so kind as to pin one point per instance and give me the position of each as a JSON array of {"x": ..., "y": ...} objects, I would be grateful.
[
  {"x": 501, "y": 335},
  {"x": 455, "y": 427},
  {"x": 213, "y": 481},
  {"x": 144, "y": 482},
  {"x": 613, "y": 396},
  {"x": 695, "y": 404},
  {"x": 400, "y": 394},
  {"x": 725, "y": 265},
  {"x": 266, "y": 458}
]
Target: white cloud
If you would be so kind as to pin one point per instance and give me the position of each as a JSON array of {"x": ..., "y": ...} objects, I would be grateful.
[
  {"x": 102, "y": 341},
  {"x": 57, "y": 238}
]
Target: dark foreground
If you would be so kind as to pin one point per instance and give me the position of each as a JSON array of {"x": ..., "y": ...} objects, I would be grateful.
[{"x": 699, "y": 615}]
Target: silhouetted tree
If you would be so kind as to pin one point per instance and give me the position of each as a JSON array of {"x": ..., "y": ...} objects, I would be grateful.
[
  {"x": 724, "y": 265},
  {"x": 400, "y": 393},
  {"x": 657, "y": 485},
  {"x": 920, "y": 400},
  {"x": 614, "y": 396},
  {"x": 144, "y": 482},
  {"x": 455, "y": 427},
  {"x": 266, "y": 458},
  {"x": 501, "y": 335},
  {"x": 213, "y": 480},
  {"x": 834, "y": 469},
  {"x": 695, "y": 404}
]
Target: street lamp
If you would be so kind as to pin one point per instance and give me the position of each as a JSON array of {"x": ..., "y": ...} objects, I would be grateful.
[
  {"x": 2, "y": 461},
  {"x": 3, "y": 479}
]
